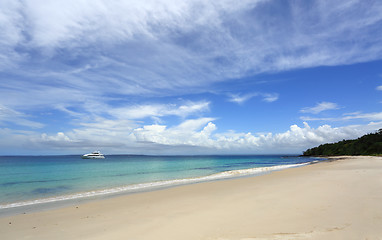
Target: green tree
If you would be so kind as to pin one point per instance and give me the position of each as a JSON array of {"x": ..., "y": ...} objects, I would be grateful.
[{"x": 369, "y": 144}]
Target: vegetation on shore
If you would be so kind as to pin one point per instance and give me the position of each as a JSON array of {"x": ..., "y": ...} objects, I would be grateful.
[{"x": 369, "y": 144}]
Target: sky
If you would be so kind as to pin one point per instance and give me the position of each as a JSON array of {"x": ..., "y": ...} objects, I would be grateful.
[{"x": 187, "y": 77}]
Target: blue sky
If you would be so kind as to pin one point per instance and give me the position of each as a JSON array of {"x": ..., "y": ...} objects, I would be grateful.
[{"x": 191, "y": 77}]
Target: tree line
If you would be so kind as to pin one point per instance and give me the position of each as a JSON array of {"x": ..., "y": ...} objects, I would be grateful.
[{"x": 369, "y": 144}]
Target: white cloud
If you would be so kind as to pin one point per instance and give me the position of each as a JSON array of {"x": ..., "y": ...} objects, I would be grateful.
[
  {"x": 240, "y": 99},
  {"x": 294, "y": 140},
  {"x": 379, "y": 88},
  {"x": 159, "y": 110},
  {"x": 192, "y": 132},
  {"x": 11, "y": 24},
  {"x": 167, "y": 48},
  {"x": 59, "y": 137},
  {"x": 192, "y": 136},
  {"x": 10, "y": 116},
  {"x": 81, "y": 56},
  {"x": 307, "y": 118},
  {"x": 192, "y": 124},
  {"x": 270, "y": 97},
  {"x": 375, "y": 116},
  {"x": 320, "y": 107}
]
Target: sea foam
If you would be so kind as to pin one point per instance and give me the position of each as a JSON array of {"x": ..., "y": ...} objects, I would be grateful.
[{"x": 154, "y": 185}]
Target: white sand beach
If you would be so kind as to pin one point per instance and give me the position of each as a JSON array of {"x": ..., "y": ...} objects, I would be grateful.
[{"x": 341, "y": 199}]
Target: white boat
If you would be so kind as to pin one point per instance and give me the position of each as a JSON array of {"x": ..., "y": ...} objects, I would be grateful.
[{"x": 95, "y": 154}]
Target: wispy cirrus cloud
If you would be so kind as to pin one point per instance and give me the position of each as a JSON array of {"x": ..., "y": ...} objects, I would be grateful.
[
  {"x": 161, "y": 48},
  {"x": 242, "y": 98},
  {"x": 270, "y": 97},
  {"x": 9, "y": 116},
  {"x": 159, "y": 110},
  {"x": 320, "y": 107},
  {"x": 374, "y": 116},
  {"x": 97, "y": 61}
]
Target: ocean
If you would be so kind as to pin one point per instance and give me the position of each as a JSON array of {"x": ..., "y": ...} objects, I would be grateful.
[{"x": 37, "y": 180}]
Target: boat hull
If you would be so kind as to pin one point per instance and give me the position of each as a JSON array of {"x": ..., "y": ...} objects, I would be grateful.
[{"x": 92, "y": 157}]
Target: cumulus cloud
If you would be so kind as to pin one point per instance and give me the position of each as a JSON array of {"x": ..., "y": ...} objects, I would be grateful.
[
  {"x": 293, "y": 140},
  {"x": 59, "y": 137},
  {"x": 193, "y": 132},
  {"x": 379, "y": 88},
  {"x": 192, "y": 136},
  {"x": 320, "y": 107},
  {"x": 89, "y": 58}
]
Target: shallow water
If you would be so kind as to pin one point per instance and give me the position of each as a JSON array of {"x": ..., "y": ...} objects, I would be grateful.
[{"x": 29, "y": 180}]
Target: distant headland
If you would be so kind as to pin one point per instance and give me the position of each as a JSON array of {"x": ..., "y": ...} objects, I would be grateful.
[{"x": 369, "y": 144}]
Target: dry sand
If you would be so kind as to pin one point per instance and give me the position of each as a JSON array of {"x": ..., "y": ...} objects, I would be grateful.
[{"x": 330, "y": 200}]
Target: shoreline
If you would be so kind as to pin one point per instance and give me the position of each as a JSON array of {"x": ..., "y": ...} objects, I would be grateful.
[
  {"x": 328, "y": 200},
  {"x": 35, "y": 205}
]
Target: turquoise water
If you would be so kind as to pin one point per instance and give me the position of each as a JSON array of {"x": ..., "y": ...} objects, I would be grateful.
[{"x": 29, "y": 180}]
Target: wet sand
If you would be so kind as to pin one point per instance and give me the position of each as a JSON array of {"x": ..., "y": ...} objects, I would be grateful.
[{"x": 330, "y": 200}]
